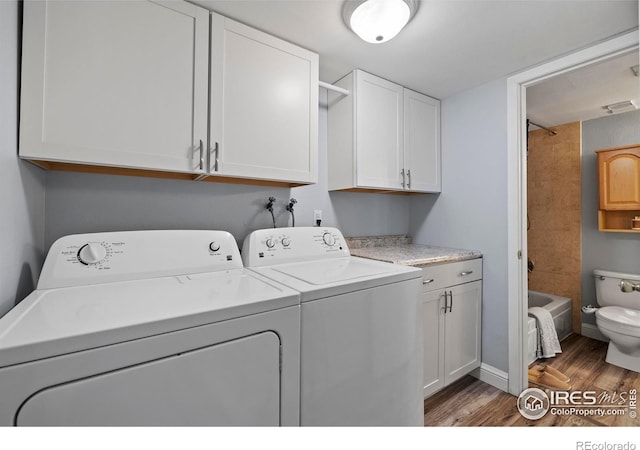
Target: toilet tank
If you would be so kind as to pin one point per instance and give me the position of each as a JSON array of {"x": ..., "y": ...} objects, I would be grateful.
[{"x": 608, "y": 291}]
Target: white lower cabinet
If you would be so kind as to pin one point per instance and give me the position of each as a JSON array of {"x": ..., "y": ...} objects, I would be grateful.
[{"x": 451, "y": 312}]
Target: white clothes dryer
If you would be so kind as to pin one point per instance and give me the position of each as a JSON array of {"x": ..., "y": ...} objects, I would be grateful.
[
  {"x": 361, "y": 327},
  {"x": 150, "y": 328}
]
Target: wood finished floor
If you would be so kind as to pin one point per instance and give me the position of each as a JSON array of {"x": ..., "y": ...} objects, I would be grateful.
[{"x": 470, "y": 402}]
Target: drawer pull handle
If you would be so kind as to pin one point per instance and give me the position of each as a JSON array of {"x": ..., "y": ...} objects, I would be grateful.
[
  {"x": 431, "y": 280},
  {"x": 467, "y": 272}
]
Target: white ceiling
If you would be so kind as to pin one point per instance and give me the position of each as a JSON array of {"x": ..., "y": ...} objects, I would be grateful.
[
  {"x": 580, "y": 95},
  {"x": 450, "y": 45}
]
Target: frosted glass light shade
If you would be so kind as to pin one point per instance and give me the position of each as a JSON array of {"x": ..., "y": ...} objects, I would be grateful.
[{"x": 377, "y": 21}]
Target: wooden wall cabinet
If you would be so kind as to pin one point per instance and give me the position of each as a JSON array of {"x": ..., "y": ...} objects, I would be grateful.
[
  {"x": 619, "y": 188},
  {"x": 383, "y": 137},
  {"x": 126, "y": 88},
  {"x": 451, "y": 312}
]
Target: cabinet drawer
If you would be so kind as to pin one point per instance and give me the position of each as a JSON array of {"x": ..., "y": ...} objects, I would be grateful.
[{"x": 439, "y": 276}]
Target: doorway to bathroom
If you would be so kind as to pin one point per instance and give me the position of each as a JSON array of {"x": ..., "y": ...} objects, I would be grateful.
[
  {"x": 559, "y": 240},
  {"x": 569, "y": 117}
]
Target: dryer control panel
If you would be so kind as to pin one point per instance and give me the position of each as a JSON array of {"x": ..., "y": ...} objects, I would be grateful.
[
  {"x": 283, "y": 245},
  {"x": 83, "y": 259}
]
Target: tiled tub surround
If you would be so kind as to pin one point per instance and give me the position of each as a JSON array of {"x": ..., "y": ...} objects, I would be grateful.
[
  {"x": 400, "y": 250},
  {"x": 554, "y": 207}
]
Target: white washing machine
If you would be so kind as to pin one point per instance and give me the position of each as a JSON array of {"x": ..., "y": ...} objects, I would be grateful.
[
  {"x": 150, "y": 328},
  {"x": 361, "y": 329}
]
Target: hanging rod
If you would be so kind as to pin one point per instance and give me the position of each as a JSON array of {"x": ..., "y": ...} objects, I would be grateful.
[
  {"x": 551, "y": 132},
  {"x": 331, "y": 87}
]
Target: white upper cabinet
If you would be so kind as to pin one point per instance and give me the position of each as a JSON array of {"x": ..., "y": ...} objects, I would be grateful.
[
  {"x": 264, "y": 106},
  {"x": 421, "y": 142},
  {"x": 379, "y": 132},
  {"x": 383, "y": 137},
  {"x": 121, "y": 84},
  {"x": 165, "y": 88}
]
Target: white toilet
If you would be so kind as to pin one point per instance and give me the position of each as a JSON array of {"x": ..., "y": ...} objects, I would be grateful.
[{"x": 619, "y": 316}]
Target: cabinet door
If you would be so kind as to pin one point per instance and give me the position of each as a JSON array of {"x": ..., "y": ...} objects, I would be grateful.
[
  {"x": 421, "y": 142},
  {"x": 619, "y": 176},
  {"x": 115, "y": 83},
  {"x": 264, "y": 105},
  {"x": 462, "y": 330},
  {"x": 379, "y": 132},
  {"x": 433, "y": 341}
]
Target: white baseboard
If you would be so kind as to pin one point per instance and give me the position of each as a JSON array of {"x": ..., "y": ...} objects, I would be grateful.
[
  {"x": 592, "y": 331},
  {"x": 490, "y": 375}
]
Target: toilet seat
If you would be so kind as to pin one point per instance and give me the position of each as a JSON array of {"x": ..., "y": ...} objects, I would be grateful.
[{"x": 620, "y": 320}]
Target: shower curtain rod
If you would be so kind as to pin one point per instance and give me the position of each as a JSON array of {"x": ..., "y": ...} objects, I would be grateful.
[{"x": 551, "y": 132}]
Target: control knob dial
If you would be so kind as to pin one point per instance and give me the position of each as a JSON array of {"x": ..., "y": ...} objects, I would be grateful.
[
  {"x": 92, "y": 253},
  {"x": 271, "y": 243},
  {"x": 328, "y": 239}
]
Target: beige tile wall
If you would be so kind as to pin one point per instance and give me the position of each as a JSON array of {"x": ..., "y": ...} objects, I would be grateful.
[{"x": 554, "y": 236}]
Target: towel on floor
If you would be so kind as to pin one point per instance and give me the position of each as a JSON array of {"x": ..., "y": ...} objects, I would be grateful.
[{"x": 548, "y": 343}]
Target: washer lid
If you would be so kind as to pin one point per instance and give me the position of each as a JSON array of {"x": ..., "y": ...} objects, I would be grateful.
[
  {"x": 331, "y": 271},
  {"x": 327, "y": 277},
  {"x": 59, "y": 321}
]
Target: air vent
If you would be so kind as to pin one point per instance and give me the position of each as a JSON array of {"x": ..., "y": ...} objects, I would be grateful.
[{"x": 620, "y": 107}]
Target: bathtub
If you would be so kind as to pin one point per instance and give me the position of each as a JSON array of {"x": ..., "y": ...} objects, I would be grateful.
[{"x": 561, "y": 311}]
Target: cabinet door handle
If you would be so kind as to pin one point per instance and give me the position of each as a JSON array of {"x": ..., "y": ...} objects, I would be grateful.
[
  {"x": 450, "y": 300},
  {"x": 402, "y": 182},
  {"x": 409, "y": 178},
  {"x": 466, "y": 272},
  {"x": 216, "y": 153},
  {"x": 446, "y": 303},
  {"x": 201, "y": 155},
  {"x": 430, "y": 280}
]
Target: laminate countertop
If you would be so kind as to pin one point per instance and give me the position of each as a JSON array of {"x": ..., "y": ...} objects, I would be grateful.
[{"x": 411, "y": 254}]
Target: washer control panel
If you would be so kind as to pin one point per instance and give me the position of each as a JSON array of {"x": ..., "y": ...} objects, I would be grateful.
[
  {"x": 282, "y": 245},
  {"x": 83, "y": 259}
]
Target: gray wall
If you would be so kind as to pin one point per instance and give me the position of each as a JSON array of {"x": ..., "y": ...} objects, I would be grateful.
[
  {"x": 471, "y": 211},
  {"x": 601, "y": 250},
  {"x": 21, "y": 183},
  {"x": 82, "y": 203}
]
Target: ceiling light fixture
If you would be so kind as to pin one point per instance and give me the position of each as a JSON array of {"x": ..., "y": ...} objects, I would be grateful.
[{"x": 377, "y": 21}]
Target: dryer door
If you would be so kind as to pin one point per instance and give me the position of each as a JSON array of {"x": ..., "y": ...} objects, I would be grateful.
[{"x": 233, "y": 383}]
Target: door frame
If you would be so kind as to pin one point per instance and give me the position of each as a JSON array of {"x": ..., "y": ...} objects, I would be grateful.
[{"x": 517, "y": 187}]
